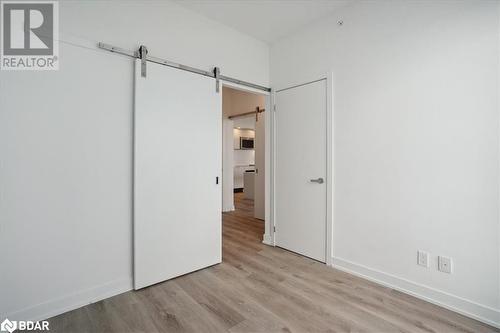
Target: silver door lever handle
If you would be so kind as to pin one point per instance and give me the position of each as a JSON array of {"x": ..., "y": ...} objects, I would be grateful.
[{"x": 319, "y": 181}]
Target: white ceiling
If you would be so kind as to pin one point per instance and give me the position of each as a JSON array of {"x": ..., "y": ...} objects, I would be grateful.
[{"x": 267, "y": 20}]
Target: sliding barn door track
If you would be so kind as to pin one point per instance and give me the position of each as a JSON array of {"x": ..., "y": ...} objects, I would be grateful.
[{"x": 142, "y": 53}]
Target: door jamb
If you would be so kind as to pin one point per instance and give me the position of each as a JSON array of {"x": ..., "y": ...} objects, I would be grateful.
[
  {"x": 268, "y": 169},
  {"x": 330, "y": 167}
]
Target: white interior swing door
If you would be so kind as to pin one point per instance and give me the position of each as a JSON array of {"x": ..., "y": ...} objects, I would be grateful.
[
  {"x": 177, "y": 172},
  {"x": 301, "y": 157}
]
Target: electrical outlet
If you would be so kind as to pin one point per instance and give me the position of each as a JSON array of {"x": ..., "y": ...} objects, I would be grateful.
[
  {"x": 444, "y": 264},
  {"x": 423, "y": 258}
]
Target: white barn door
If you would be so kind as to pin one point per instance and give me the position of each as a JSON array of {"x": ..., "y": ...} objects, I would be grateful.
[{"x": 177, "y": 174}]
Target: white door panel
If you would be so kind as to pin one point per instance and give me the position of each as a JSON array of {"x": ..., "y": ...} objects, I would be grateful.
[
  {"x": 301, "y": 148},
  {"x": 178, "y": 147}
]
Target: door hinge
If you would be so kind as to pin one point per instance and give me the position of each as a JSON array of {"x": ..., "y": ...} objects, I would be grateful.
[
  {"x": 274, "y": 229},
  {"x": 274, "y": 107},
  {"x": 216, "y": 180}
]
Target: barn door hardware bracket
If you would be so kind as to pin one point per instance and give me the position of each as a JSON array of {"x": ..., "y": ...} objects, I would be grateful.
[
  {"x": 143, "y": 54},
  {"x": 217, "y": 79}
]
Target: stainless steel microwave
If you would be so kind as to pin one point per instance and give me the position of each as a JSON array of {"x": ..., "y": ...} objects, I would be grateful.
[{"x": 246, "y": 143}]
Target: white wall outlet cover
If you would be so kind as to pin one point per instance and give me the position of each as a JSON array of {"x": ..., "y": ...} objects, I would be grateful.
[
  {"x": 423, "y": 258},
  {"x": 445, "y": 264}
]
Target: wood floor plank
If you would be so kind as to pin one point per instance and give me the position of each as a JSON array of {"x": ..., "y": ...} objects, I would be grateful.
[{"x": 258, "y": 288}]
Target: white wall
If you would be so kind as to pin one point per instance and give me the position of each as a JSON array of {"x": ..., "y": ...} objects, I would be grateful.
[
  {"x": 66, "y": 149},
  {"x": 247, "y": 122},
  {"x": 416, "y": 130}
]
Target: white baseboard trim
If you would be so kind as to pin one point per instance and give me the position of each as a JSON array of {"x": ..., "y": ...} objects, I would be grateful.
[
  {"x": 228, "y": 209},
  {"x": 70, "y": 302},
  {"x": 267, "y": 240},
  {"x": 451, "y": 302}
]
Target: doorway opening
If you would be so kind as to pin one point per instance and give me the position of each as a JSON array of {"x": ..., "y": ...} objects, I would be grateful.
[{"x": 243, "y": 167}]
